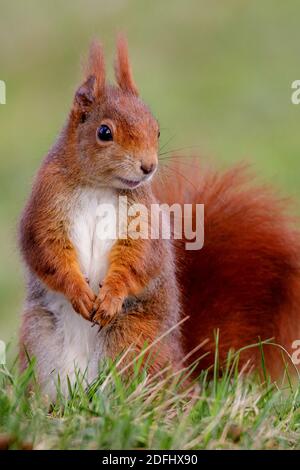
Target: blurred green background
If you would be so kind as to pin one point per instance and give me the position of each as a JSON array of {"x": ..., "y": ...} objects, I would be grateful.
[{"x": 217, "y": 74}]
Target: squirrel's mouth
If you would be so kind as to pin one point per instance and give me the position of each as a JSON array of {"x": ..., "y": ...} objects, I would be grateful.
[{"x": 129, "y": 183}]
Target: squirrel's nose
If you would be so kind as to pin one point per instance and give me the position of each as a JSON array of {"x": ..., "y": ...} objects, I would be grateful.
[{"x": 147, "y": 169}]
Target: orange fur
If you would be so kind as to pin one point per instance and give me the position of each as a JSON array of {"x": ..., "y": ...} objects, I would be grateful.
[
  {"x": 129, "y": 272},
  {"x": 123, "y": 69},
  {"x": 45, "y": 244},
  {"x": 245, "y": 282}
]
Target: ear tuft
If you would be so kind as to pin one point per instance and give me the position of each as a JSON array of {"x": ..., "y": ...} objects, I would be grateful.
[
  {"x": 96, "y": 67},
  {"x": 94, "y": 85},
  {"x": 123, "y": 69}
]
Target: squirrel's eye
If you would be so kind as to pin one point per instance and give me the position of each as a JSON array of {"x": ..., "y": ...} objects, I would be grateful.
[
  {"x": 158, "y": 134},
  {"x": 104, "y": 133}
]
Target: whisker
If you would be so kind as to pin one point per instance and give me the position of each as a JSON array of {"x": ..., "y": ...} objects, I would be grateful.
[
  {"x": 181, "y": 160},
  {"x": 169, "y": 168},
  {"x": 167, "y": 142},
  {"x": 180, "y": 149}
]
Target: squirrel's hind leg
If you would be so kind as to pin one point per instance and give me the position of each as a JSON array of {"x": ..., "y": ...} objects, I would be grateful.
[
  {"x": 63, "y": 347},
  {"x": 36, "y": 343}
]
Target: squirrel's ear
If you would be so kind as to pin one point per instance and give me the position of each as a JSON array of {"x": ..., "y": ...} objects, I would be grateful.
[
  {"x": 94, "y": 85},
  {"x": 85, "y": 95},
  {"x": 122, "y": 68}
]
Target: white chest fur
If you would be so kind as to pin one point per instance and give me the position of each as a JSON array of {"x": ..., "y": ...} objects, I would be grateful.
[{"x": 92, "y": 231}]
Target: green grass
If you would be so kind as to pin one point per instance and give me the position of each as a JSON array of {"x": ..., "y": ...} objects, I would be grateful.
[{"x": 236, "y": 411}]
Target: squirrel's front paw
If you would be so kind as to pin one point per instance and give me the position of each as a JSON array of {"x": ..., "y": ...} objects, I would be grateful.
[
  {"x": 82, "y": 299},
  {"x": 107, "y": 306}
]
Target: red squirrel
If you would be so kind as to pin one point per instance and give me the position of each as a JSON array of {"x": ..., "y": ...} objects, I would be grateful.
[{"x": 244, "y": 281}]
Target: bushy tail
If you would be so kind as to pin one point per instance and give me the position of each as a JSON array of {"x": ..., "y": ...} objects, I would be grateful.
[{"x": 245, "y": 281}]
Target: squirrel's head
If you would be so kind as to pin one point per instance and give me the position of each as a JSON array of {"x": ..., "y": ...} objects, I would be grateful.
[{"x": 116, "y": 133}]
